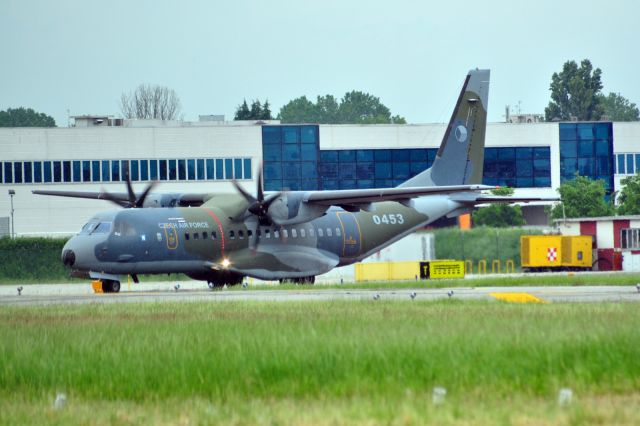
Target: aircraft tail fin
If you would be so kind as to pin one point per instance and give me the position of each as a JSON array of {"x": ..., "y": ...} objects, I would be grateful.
[{"x": 460, "y": 159}]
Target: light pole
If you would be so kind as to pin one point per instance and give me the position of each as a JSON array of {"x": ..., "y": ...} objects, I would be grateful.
[{"x": 13, "y": 229}]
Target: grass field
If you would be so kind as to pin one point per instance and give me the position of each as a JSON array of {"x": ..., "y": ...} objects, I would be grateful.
[{"x": 320, "y": 363}]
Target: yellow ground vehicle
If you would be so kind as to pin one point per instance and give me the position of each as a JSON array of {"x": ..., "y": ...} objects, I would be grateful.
[{"x": 555, "y": 253}]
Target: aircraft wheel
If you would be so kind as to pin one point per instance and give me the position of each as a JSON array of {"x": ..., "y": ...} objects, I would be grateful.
[{"x": 110, "y": 286}]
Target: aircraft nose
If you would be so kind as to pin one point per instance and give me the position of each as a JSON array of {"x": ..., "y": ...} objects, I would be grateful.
[{"x": 68, "y": 255}]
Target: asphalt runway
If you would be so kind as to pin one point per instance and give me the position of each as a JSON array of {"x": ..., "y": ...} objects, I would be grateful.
[{"x": 43, "y": 294}]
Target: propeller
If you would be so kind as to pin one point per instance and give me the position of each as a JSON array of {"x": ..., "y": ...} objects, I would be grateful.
[
  {"x": 258, "y": 210},
  {"x": 133, "y": 200}
]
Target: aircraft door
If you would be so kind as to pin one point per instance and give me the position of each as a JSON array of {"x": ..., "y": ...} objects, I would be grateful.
[{"x": 351, "y": 237}]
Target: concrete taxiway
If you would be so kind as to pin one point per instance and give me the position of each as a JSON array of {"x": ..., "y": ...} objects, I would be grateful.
[{"x": 43, "y": 294}]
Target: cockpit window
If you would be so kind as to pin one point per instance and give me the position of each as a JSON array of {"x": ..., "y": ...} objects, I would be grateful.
[
  {"x": 102, "y": 228},
  {"x": 122, "y": 228},
  {"x": 87, "y": 228}
]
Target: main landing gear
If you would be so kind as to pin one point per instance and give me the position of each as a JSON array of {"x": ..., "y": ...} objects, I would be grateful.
[
  {"x": 110, "y": 286},
  {"x": 301, "y": 280}
]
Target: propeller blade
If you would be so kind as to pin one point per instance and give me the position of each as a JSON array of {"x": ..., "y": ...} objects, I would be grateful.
[
  {"x": 250, "y": 198},
  {"x": 127, "y": 179},
  {"x": 140, "y": 201},
  {"x": 105, "y": 195},
  {"x": 260, "y": 191}
]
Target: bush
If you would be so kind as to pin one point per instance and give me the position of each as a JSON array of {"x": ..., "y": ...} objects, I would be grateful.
[{"x": 36, "y": 259}]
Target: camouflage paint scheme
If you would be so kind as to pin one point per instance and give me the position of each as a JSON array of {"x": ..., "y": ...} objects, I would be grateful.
[{"x": 213, "y": 241}]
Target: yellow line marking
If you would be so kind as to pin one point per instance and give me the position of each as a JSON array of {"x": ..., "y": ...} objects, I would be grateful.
[{"x": 518, "y": 298}]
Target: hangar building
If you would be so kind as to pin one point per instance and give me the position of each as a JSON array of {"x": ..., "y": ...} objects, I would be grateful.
[{"x": 534, "y": 158}]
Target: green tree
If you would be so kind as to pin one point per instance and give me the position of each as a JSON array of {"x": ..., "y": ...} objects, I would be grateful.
[
  {"x": 266, "y": 111},
  {"x": 582, "y": 197},
  {"x": 629, "y": 200},
  {"x": 256, "y": 110},
  {"x": 499, "y": 215},
  {"x": 25, "y": 117},
  {"x": 354, "y": 108},
  {"x": 242, "y": 112},
  {"x": 575, "y": 93},
  {"x": 617, "y": 108}
]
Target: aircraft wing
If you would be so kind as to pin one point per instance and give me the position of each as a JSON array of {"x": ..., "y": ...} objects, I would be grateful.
[
  {"x": 496, "y": 199},
  {"x": 365, "y": 196},
  {"x": 116, "y": 196},
  {"x": 123, "y": 199}
]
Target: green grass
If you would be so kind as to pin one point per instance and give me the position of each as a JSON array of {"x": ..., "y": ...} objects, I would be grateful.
[{"x": 319, "y": 362}]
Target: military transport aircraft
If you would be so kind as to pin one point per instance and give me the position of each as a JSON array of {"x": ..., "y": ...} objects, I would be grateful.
[{"x": 292, "y": 235}]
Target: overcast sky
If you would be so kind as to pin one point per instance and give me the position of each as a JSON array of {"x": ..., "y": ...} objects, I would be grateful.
[{"x": 81, "y": 55}]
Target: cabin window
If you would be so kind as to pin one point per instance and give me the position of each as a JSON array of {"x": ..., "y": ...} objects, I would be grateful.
[
  {"x": 259, "y": 232},
  {"x": 205, "y": 235},
  {"x": 267, "y": 233},
  {"x": 214, "y": 235},
  {"x": 241, "y": 234},
  {"x": 338, "y": 233},
  {"x": 311, "y": 232},
  {"x": 232, "y": 235},
  {"x": 276, "y": 234},
  {"x": 196, "y": 236},
  {"x": 294, "y": 233},
  {"x": 159, "y": 236},
  {"x": 329, "y": 232},
  {"x": 285, "y": 233},
  {"x": 249, "y": 233},
  {"x": 303, "y": 233},
  {"x": 320, "y": 233},
  {"x": 186, "y": 236}
]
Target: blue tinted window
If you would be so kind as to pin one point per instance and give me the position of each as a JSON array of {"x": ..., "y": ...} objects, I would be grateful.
[
  {"x": 272, "y": 185},
  {"x": 329, "y": 156},
  {"x": 291, "y": 152},
  {"x": 172, "y": 166},
  {"x": 637, "y": 161},
  {"x": 541, "y": 167},
  {"x": 57, "y": 171},
  {"x": 418, "y": 167},
  {"x": 200, "y": 169},
  {"x": 95, "y": 171},
  {"x": 271, "y": 135},
  {"x": 364, "y": 183},
  {"x": 27, "y": 172},
  {"x": 48, "y": 175},
  {"x": 115, "y": 170},
  {"x": 630, "y": 168},
  {"x": 191, "y": 169},
  {"x": 291, "y": 170},
  {"x": 347, "y": 170},
  {"x": 506, "y": 153},
  {"x": 383, "y": 171},
  {"x": 419, "y": 155},
  {"x": 309, "y": 152},
  {"x": 272, "y": 171},
  {"x": 309, "y": 134},
  {"x": 400, "y": 155},
  {"x": 163, "y": 169},
  {"x": 568, "y": 149},
  {"x": 309, "y": 185},
  {"x": 86, "y": 171},
  {"x": 524, "y": 153},
  {"x": 620, "y": 169},
  {"x": 309, "y": 170},
  {"x": 144, "y": 170},
  {"x": 364, "y": 155},
  {"x": 585, "y": 148},
  {"x": 585, "y": 167},
  {"x": 401, "y": 170},
  {"x": 524, "y": 168},
  {"x": 291, "y": 185},
  {"x": 383, "y": 183},
  {"x": 17, "y": 172},
  {"x": 541, "y": 152},
  {"x": 329, "y": 184},
  {"x": 228, "y": 168},
  {"x": 66, "y": 169},
  {"x": 568, "y": 167},
  {"x": 182, "y": 169},
  {"x": 490, "y": 154},
  {"x": 602, "y": 148},
  {"x": 219, "y": 169},
  {"x": 348, "y": 184},
  {"x": 603, "y": 130},
  {"x": 37, "y": 172},
  {"x": 346, "y": 155},
  {"x": 153, "y": 169},
  {"x": 542, "y": 181},
  {"x": 134, "y": 168},
  {"x": 237, "y": 168},
  {"x": 247, "y": 168},
  {"x": 603, "y": 168},
  {"x": 272, "y": 152},
  {"x": 106, "y": 171},
  {"x": 328, "y": 170},
  {"x": 382, "y": 154},
  {"x": 291, "y": 134},
  {"x": 524, "y": 182},
  {"x": 568, "y": 132},
  {"x": 585, "y": 131},
  {"x": 210, "y": 175},
  {"x": 8, "y": 173},
  {"x": 124, "y": 169},
  {"x": 77, "y": 175},
  {"x": 431, "y": 152},
  {"x": 365, "y": 170}
]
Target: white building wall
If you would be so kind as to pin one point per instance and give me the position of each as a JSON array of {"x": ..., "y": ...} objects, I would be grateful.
[{"x": 604, "y": 231}]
